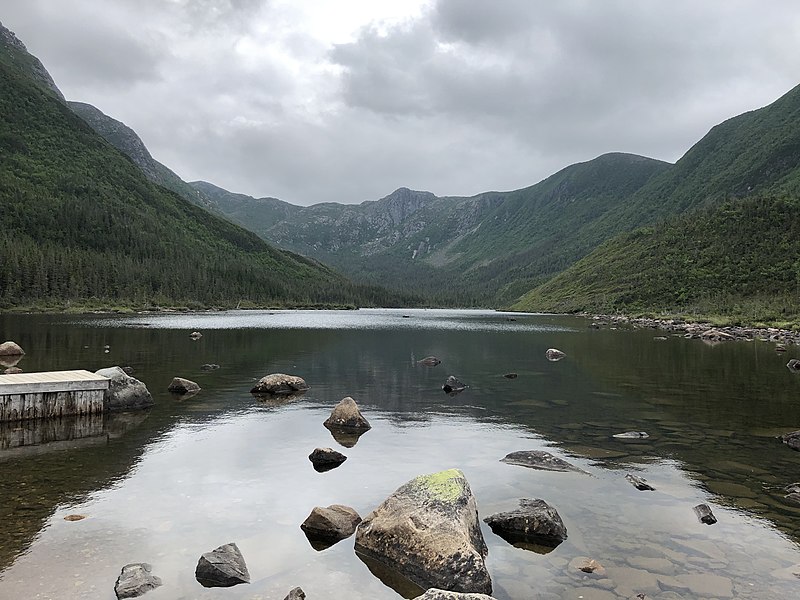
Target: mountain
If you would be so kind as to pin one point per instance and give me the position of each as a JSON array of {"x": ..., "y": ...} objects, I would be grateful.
[
  {"x": 81, "y": 223},
  {"x": 752, "y": 154},
  {"x": 481, "y": 250},
  {"x": 255, "y": 214},
  {"x": 739, "y": 260},
  {"x": 723, "y": 234},
  {"x": 125, "y": 139}
]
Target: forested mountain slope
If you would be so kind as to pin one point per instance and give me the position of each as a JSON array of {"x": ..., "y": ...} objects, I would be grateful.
[
  {"x": 125, "y": 139},
  {"x": 724, "y": 233},
  {"x": 739, "y": 259},
  {"x": 81, "y": 224},
  {"x": 482, "y": 250},
  {"x": 755, "y": 153}
]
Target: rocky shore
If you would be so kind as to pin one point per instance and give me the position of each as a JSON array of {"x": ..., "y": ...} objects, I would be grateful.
[{"x": 698, "y": 330}]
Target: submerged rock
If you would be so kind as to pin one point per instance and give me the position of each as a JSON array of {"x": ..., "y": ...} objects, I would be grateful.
[
  {"x": 325, "y": 459},
  {"x": 554, "y": 355},
  {"x": 703, "y": 512},
  {"x": 280, "y": 384},
  {"x": 639, "y": 483},
  {"x": 223, "y": 567},
  {"x": 124, "y": 392},
  {"x": 326, "y": 526},
  {"x": 587, "y": 565},
  {"x": 453, "y": 386},
  {"x": 210, "y": 367},
  {"x": 135, "y": 580},
  {"x": 631, "y": 435},
  {"x": 793, "y": 365},
  {"x": 791, "y": 439},
  {"x": 429, "y": 361},
  {"x": 346, "y": 416},
  {"x": 534, "y": 522},
  {"x": 510, "y": 375},
  {"x": 539, "y": 459},
  {"x": 11, "y": 349},
  {"x": 428, "y": 532},
  {"x": 437, "y": 594},
  {"x": 180, "y": 385}
]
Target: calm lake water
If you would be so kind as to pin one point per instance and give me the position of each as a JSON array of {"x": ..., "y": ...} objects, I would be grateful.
[{"x": 166, "y": 485}]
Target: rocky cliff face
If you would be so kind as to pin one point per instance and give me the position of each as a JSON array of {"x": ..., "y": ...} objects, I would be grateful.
[
  {"x": 22, "y": 60},
  {"x": 126, "y": 140}
]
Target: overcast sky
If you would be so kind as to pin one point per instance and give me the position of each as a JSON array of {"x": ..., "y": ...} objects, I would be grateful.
[{"x": 346, "y": 100}]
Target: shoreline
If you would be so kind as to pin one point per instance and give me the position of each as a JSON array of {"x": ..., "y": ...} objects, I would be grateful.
[{"x": 702, "y": 330}]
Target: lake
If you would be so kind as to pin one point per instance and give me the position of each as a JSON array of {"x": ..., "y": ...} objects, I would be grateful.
[{"x": 165, "y": 485}]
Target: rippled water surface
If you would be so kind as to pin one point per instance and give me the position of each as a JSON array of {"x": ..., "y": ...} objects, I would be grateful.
[{"x": 166, "y": 485}]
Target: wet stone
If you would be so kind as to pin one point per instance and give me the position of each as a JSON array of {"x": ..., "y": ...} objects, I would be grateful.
[
  {"x": 135, "y": 580},
  {"x": 539, "y": 459}
]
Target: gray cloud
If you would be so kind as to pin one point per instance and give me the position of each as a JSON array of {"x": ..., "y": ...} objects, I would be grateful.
[{"x": 466, "y": 96}]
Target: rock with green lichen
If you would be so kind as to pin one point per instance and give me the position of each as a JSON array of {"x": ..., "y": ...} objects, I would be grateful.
[{"x": 429, "y": 532}]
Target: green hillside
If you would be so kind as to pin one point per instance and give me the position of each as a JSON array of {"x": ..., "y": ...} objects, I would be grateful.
[
  {"x": 754, "y": 153},
  {"x": 739, "y": 260},
  {"x": 82, "y": 225},
  {"x": 722, "y": 238},
  {"x": 484, "y": 250},
  {"x": 124, "y": 139}
]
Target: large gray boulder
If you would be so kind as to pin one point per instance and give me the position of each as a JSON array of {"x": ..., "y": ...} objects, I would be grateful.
[
  {"x": 124, "y": 392},
  {"x": 428, "y": 532},
  {"x": 346, "y": 416},
  {"x": 11, "y": 349},
  {"x": 223, "y": 567},
  {"x": 280, "y": 384},
  {"x": 534, "y": 522},
  {"x": 134, "y": 580},
  {"x": 327, "y": 525},
  {"x": 179, "y": 385},
  {"x": 436, "y": 594}
]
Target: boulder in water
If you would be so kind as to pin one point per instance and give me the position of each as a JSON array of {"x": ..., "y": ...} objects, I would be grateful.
[
  {"x": 554, "y": 354},
  {"x": 346, "y": 416},
  {"x": 327, "y": 525},
  {"x": 124, "y": 392},
  {"x": 11, "y": 349},
  {"x": 280, "y": 384},
  {"x": 429, "y": 361},
  {"x": 437, "y": 594},
  {"x": 223, "y": 567},
  {"x": 325, "y": 459},
  {"x": 534, "y": 522},
  {"x": 539, "y": 459},
  {"x": 180, "y": 385},
  {"x": 428, "y": 532},
  {"x": 453, "y": 386},
  {"x": 135, "y": 580}
]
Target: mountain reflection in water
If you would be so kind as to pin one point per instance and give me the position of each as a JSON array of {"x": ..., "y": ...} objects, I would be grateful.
[{"x": 164, "y": 486}]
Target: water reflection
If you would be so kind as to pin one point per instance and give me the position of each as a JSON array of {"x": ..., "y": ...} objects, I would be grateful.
[{"x": 228, "y": 467}]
